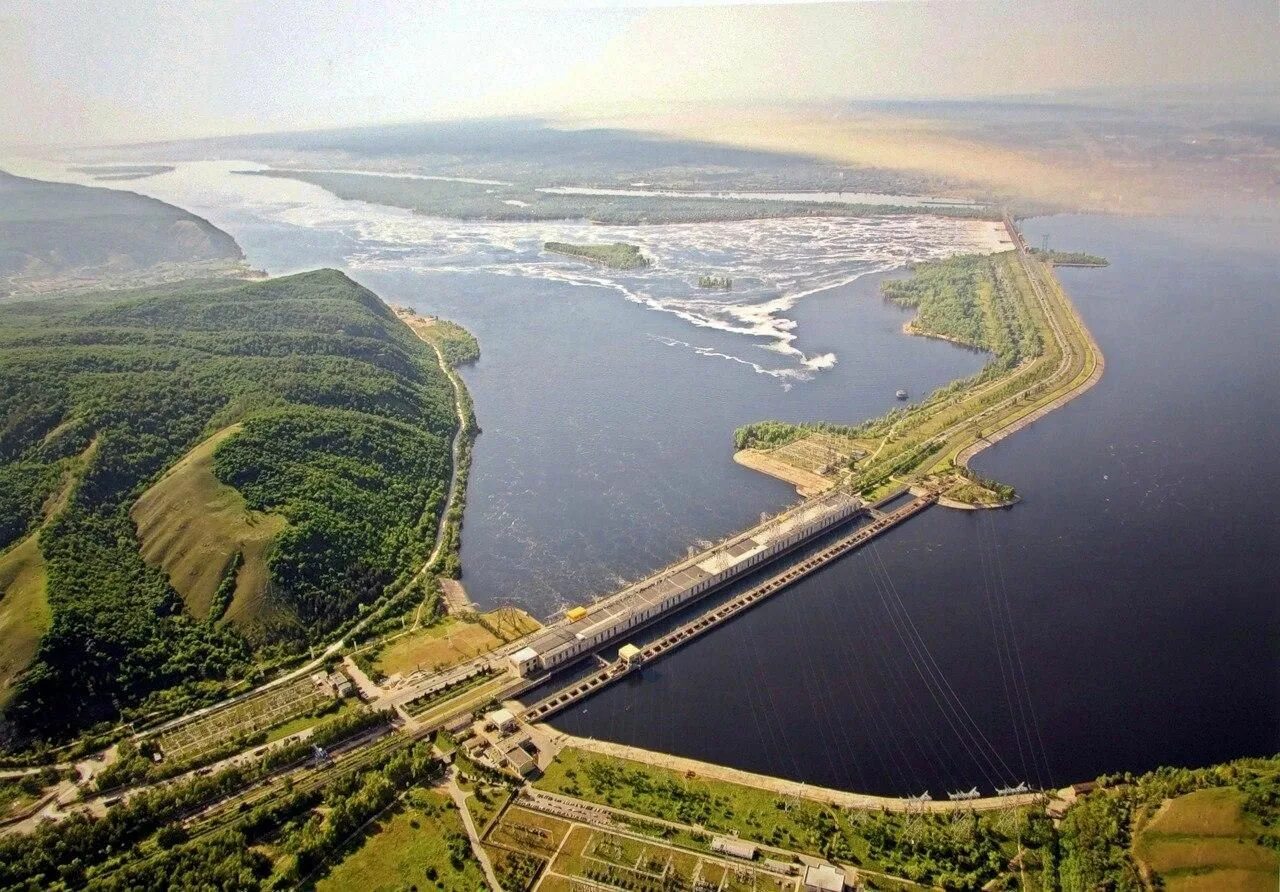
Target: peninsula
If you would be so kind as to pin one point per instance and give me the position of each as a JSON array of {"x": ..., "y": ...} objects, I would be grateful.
[{"x": 1009, "y": 305}]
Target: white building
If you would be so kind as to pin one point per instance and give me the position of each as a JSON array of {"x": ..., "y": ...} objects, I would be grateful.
[
  {"x": 586, "y": 630},
  {"x": 502, "y": 719},
  {"x": 730, "y": 845},
  {"x": 823, "y": 878}
]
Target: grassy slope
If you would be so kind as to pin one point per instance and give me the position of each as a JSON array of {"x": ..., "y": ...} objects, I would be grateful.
[
  {"x": 24, "y": 604},
  {"x": 451, "y": 641},
  {"x": 405, "y": 845},
  {"x": 346, "y": 421},
  {"x": 1203, "y": 840},
  {"x": 192, "y": 525},
  {"x": 24, "y": 610}
]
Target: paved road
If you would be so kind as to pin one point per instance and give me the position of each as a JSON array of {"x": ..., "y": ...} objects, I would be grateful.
[{"x": 460, "y": 799}]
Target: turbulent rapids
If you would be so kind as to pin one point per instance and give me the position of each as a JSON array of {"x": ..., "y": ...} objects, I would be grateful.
[{"x": 774, "y": 263}]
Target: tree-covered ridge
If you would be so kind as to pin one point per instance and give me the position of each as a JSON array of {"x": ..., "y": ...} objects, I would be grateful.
[
  {"x": 346, "y": 426},
  {"x": 53, "y": 234}
]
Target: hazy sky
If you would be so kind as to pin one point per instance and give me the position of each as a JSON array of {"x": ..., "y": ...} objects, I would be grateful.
[{"x": 92, "y": 72}]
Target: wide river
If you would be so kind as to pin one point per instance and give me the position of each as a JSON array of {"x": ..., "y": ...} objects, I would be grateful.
[{"x": 1124, "y": 615}]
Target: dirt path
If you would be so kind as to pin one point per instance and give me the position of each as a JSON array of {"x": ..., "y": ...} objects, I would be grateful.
[{"x": 460, "y": 799}]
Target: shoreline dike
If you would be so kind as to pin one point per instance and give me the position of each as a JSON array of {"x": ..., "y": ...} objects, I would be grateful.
[{"x": 782, "y": 786}]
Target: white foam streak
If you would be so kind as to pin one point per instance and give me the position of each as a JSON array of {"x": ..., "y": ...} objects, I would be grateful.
[{"x": 774, "y": 263}]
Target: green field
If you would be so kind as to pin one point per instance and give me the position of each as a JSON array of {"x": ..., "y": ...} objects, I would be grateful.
[
  {"x": 24, "y": 610},
  {"x": 415, "y": 846},
  {"x": 485, "y": 801},
  {"x": 1204, "y": 840}
]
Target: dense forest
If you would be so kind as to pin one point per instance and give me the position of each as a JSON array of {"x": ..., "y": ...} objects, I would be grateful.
[
  {"x": 61, "y": 231},
  {"x": 1068, "y": 258},
  {"x": 960, "y": 299},
  {"x": 345, "y": 421}
]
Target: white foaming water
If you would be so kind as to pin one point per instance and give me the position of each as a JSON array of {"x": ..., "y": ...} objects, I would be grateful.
[{"x": 773, "y": 263}]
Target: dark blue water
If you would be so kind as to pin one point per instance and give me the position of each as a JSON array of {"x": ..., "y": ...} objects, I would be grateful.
[
  {"x": 606, "y": 454},
  {"x": 1140, "y": 575}
]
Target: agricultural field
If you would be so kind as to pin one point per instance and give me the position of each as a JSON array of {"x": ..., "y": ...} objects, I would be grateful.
[
  {"x": 256, "y": 715},
  {"x": 420, "y": 845},
  {"x": 1204, "y": 841},
  {"x": 452, "y": 640}
]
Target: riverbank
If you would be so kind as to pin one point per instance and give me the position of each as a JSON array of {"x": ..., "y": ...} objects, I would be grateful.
[{"x": 931, "y": 443}]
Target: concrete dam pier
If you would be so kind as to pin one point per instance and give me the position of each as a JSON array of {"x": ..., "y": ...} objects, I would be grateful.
[{"x": 688, "y": 581}]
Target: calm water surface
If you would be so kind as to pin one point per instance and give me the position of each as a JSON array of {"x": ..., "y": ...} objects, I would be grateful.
[{"x": 1141, "y": 573}]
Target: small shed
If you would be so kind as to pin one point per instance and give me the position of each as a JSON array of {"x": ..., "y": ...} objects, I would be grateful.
[
  {"x": 630, "y": 654},
  {"x": 341, "y": 685},
  {"x": 738, "y": 848}
]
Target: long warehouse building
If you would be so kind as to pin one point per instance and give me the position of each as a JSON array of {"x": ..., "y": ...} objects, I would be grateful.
[{"x": 585, "y": 629}]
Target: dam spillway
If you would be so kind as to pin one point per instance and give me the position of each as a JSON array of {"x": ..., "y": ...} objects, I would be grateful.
[{"x": 633, "y": 657}]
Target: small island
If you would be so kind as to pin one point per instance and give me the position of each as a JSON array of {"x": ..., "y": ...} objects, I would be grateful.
[
  {"x": 1068, "y": 258},
  {"x": 618, "y": 255},
  {"x": 723, "y": 283}
]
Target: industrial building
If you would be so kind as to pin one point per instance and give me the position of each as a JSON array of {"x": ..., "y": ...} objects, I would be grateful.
[
  {"x": 823, "y": 878},
  {"x": 584, "y": 629}
]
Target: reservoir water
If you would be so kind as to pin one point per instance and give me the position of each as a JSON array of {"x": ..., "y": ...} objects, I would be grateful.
[
  {"x": 1141, "y": 572},
  {"x": 1124, "y": 615}
]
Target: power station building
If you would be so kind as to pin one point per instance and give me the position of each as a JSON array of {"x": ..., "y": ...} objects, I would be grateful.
[{"x": 584, "y": 629}]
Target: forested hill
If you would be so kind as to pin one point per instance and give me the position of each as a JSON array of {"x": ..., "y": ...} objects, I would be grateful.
[
  {"x": 59, "y": 235},
  {"x": 300, "y": 403}
]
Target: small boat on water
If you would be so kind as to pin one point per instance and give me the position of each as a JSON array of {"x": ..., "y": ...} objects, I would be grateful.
[{"x": 901, "y": 394}]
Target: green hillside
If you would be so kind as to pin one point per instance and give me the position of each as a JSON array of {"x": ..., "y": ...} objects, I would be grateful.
[{"x": 342, "y": 447}]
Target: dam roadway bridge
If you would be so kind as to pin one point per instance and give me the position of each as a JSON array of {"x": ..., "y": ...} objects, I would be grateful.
[{"x": 631, "y": 657}]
